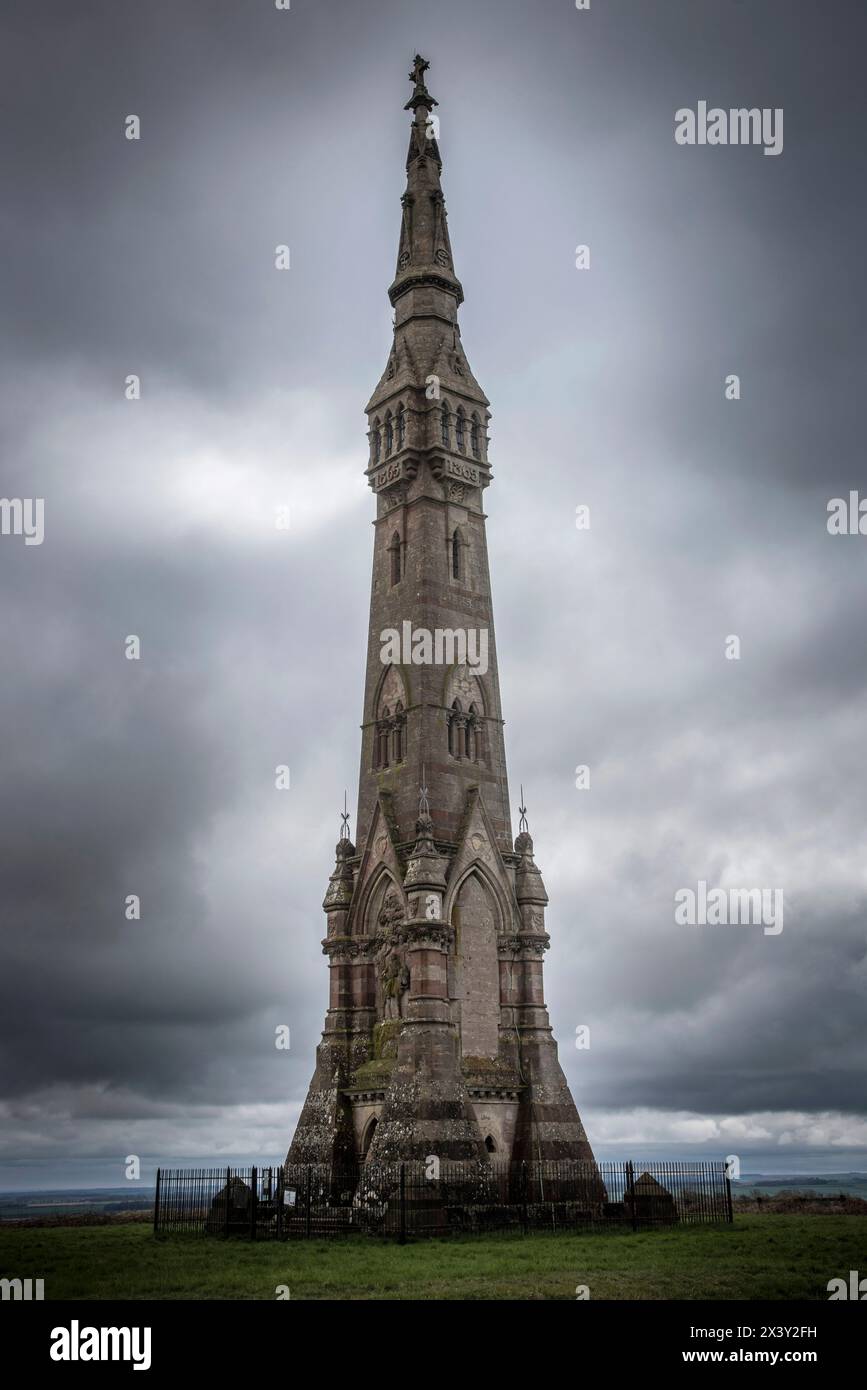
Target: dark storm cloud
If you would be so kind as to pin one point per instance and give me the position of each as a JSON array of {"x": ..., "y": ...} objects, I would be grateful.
[{"x": 708, "y": 518}]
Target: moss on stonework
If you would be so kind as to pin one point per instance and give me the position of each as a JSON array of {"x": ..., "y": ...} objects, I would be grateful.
[
  {"x": 489, "y": 1071},
  {"x": 385, "y": 1037},
  {"x": 372, "y": 1075}
]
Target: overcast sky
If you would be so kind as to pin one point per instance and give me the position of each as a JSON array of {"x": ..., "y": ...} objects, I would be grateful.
[{"x": 708, "y": 519}]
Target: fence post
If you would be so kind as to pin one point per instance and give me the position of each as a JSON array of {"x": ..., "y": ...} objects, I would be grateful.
[
  {"x": 729, "y": 1208},
  {"x": 630, "y": 1179},
  {"x": 402, "y": 1236},
  {"x": 254, "y": 1187},
  {"x": 308, "y": 1203},
  {"x": 228, "y": 1194},
  {"x": 524, "y": 1196},
  {"x": 157, "y": 1204}
]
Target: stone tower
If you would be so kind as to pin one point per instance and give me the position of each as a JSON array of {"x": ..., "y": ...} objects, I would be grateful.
[{"x": 437, "y": 1038}]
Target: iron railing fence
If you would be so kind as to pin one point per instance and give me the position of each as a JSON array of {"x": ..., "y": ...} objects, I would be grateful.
[{"x": 438, "y": 1198}]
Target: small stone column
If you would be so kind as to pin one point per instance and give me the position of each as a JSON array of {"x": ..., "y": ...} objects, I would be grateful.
[
  {"x": 426, "y": 1109},
  {"x": 428, "y": 937}
]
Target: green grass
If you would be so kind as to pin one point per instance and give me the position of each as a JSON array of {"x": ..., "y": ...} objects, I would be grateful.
[{"x": 759, "y": 1257}]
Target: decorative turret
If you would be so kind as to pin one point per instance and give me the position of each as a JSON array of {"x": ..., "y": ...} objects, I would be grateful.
[
  {"x": 339, "y": 893},
  {"x": 529, "y": 888},
  {"x": 425, "y": 878}
]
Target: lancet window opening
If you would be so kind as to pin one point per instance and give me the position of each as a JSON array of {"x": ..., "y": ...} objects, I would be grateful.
[
  {"x": 395, "y": 560},
  {"x": 389, "y": 738}
]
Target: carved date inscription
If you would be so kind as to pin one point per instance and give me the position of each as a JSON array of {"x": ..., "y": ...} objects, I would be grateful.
[
  {"x": 458, "y": 469},
  {"x": 389, "y": 474}
]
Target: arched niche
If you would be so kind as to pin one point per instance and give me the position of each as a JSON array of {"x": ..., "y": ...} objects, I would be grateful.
[
  {"x": 475, "y": 915},
  {"x": 462, "y": 684},
  {"x": 383, "y": 897},
  {"x": 391, "y": 691},
  {"x": 367, "y": 1137}
]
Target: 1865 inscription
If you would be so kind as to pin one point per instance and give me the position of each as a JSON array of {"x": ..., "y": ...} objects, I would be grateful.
[{"x": 389, "y": 474}]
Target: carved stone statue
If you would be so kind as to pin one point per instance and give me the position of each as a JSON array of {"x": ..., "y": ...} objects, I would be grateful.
[
  {"x": 392, "y": 911},
  {"x": 390, "y": 977},
  {"x": 395, "y": 979}
]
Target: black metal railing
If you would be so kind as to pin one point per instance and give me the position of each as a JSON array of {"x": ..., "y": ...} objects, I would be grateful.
[{"x": 399, "y": 1200}]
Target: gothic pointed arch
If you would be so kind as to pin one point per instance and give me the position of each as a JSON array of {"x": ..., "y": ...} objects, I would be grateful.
[
  {"x": 382, "y": 902},
  {"x": 504, "y": 909},
  {"x": 367, "y": 1137},
  {"x": 462, "y": 683},
  {"x": 392, "y": 689},
  {"x": 476, "y": 918},
  {"x": 389, "y": 732},
  {"x": 464, "y": 699}
]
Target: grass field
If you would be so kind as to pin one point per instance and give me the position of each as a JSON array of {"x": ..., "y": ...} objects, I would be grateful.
[{"x": 759, "y": 1257}]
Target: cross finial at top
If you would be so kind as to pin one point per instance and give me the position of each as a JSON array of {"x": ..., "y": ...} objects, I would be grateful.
[
  {"x": 421, "y": 97},
  {"x": 344, "y": 820},
  {"x": 522, "y": 811},
  {"x": 423, "y": 804},
  {"x": 419, "y": 68}
]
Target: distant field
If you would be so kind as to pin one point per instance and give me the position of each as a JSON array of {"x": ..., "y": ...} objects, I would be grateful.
[
  {"x": 820, "y": 1184},
  {"x": 759, "y": 1257},
  {"x": 17, "y": 1206}
]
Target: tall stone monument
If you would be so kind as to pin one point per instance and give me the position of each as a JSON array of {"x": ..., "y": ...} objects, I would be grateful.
[{"x": 437, "y": 1039}]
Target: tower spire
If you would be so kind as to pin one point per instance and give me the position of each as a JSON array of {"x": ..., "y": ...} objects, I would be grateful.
[
  {"x": 424, "y": 256},
  {"x": 429, "y": 467}
]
